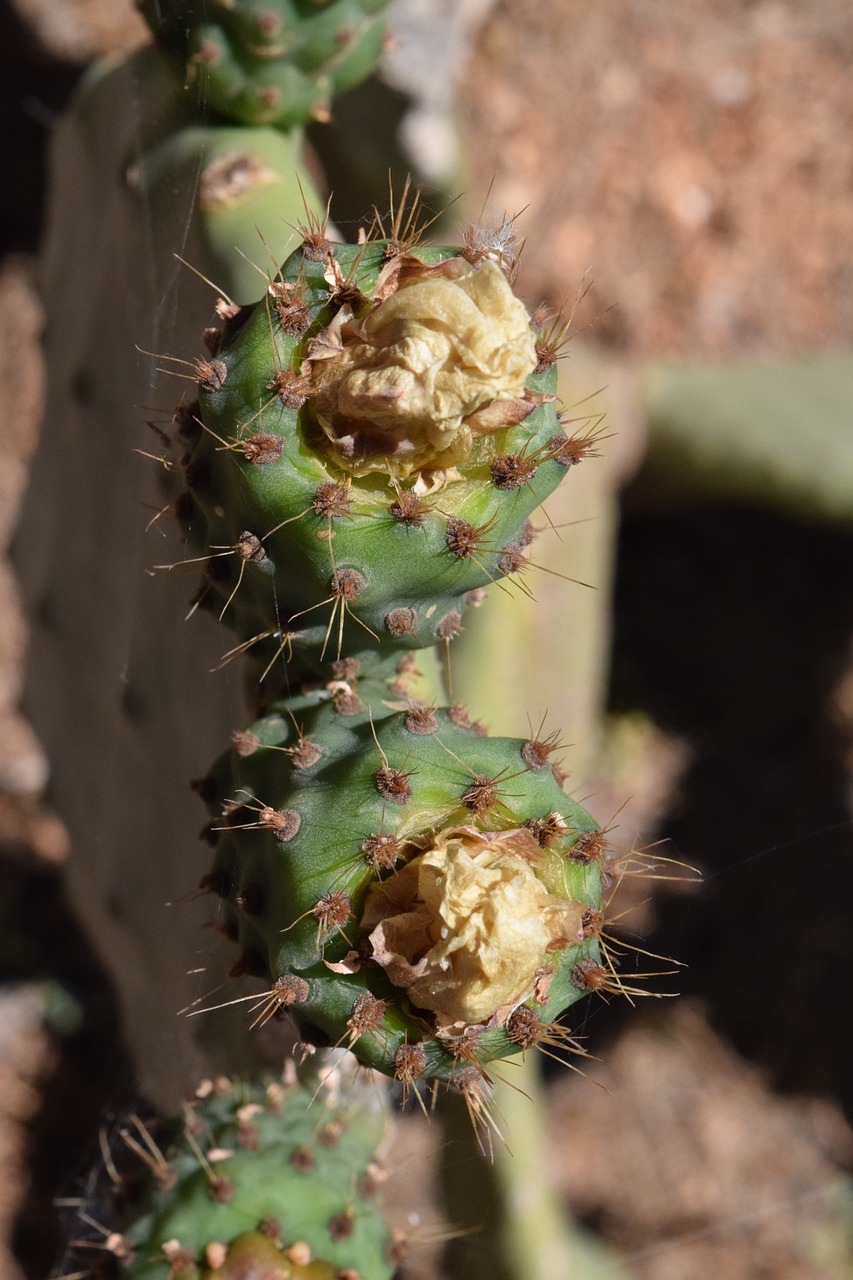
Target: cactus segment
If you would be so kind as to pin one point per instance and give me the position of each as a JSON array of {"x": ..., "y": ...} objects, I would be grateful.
[
  {"x": 242, "y": 177},
  {"x": 367, "y": 446},
  {"x": 263, "y": 1180},
  {"x": 402, "y": 883},
  {"x": 271, "y": 62},
  {"x": 369, "y": 442}
]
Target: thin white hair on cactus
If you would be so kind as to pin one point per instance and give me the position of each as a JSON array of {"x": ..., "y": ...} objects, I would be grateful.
[{"x": 494, "y": 236}]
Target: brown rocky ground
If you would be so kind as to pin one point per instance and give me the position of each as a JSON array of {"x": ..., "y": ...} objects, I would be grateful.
[
  {"x": 694, "y": 159},
  {"x": 697, "y": 161}
]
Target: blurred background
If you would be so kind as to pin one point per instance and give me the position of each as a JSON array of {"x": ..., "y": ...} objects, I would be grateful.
[{"x": 688, "y": 170}]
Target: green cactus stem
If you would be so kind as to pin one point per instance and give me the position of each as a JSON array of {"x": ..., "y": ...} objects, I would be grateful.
[{"x": 266, "y": 1180}]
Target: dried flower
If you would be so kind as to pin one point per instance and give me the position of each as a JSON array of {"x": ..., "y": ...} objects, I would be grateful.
[
  {"x": 440, "y": 358},
  {"x": 465, "y": 927}
]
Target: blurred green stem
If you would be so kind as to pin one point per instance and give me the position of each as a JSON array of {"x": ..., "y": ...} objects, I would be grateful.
[{"x": 551, "y": 660}]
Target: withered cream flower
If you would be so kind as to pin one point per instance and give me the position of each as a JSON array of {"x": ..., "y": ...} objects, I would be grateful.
[
  {"x": 466, "y": 925},
  {"x": 441, "y": 357}
]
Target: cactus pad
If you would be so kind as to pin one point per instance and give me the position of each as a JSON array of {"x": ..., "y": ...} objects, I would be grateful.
[
  {"x": 403, "y": 883},
  {"x": 368, "y": 445}
]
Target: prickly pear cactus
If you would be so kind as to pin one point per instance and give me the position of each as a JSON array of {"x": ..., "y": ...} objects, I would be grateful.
[
  {"x": 265, "y": 1179},
  {"x": 272, "y": 62},
  {"x": 369, "y": 442}
]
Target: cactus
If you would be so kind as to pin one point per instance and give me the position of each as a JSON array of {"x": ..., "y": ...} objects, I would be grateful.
[
  {"x": 408, "y": 887},
  {"x": 700, "y": 416},
  {"x": 367, "y": 439},
  {"x": 271, "y": 62},
  {"x": 260, "y": 1178},
  {"x": 369, "y": 443}
]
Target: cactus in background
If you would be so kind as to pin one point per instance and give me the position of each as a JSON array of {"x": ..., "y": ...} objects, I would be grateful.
[
  {"x": 701, "y": 417},
  {"x": 253, "y": 1179},
  {"x": 272, "y": 62}
]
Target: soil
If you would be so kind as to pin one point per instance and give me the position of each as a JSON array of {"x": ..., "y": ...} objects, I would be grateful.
[{"x": 696, "y": 163}]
